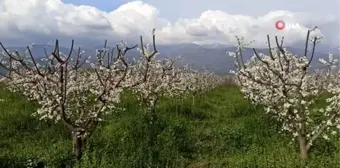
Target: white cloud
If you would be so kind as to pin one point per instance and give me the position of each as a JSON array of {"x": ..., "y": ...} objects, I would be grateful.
[{"x": 33, "y": 20}]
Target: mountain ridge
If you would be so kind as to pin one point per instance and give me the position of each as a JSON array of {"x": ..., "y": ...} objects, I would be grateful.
[{"x": 210, "y": 57}]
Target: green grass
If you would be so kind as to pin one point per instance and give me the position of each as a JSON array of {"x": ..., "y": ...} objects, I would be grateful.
[{"x": 217, "y": 129}]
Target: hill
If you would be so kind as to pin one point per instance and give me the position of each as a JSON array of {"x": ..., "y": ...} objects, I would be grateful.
[{"x": 212, "y": 58}]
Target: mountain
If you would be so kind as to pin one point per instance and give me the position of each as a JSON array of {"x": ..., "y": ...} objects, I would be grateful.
[{"x": 211, "y": 57}]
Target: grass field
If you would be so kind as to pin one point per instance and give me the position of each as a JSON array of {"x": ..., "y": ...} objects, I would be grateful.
[{"x": 217, "y": 129}]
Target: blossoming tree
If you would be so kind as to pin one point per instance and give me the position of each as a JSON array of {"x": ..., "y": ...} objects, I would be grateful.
[
  {"x": 67, "y": 91},
  {"x": 159, "y": 78},
  {"x": 282, "y": 82},
  {"x": 162, "y": 78}
]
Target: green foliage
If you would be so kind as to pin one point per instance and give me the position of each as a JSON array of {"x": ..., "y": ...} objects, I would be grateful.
[{"x": 215, "y": 129}]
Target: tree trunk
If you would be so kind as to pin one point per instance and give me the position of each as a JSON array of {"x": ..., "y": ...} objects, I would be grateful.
[
  {"x": 79, "y": 144},
  {"x": 303, "y": 147}
]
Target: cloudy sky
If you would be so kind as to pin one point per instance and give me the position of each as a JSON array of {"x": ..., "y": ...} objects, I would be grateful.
[{"x": 176, "y": 21}]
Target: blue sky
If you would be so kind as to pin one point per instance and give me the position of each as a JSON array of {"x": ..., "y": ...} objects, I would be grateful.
[{"x": 106, "y": 5}]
